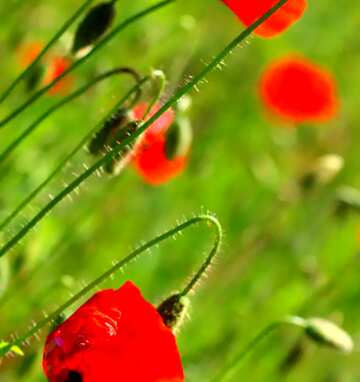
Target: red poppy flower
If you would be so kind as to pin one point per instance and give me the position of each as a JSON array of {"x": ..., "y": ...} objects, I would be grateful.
[
  {"x": 115, "y": 336},
  {"x": 249, "y": 11},
  {"x": 57, "y": 66},
  {"x": 150, "y": 159},
  {"x": 297, "y": 90}
]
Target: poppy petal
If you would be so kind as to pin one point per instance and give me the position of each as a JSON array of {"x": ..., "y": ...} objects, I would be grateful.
[{"x": 248, "y": 11}]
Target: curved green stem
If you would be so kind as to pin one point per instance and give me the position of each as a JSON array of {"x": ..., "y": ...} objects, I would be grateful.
[
  {"x": 70, "y": 155},
  {"x": 119, "y": 147},
  {"x": 233, "y": 365},
  {"x": 56, "y": 37},
  {"x": 212, "y": 221},
  {"x": 77, "y": 63},
  {"x": 17, "y": 141},
  {"x": 158, "y": 93}
]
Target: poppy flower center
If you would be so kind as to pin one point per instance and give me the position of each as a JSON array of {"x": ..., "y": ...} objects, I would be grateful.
[{"x": 74, "y": 376}]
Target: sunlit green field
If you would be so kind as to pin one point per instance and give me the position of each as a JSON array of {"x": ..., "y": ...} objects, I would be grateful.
[{"x": 285, "y": 250}]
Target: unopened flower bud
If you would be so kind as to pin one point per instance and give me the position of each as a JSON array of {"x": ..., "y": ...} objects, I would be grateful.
[
  {"x": 94, "y": 26},
  {"x": 105, "y": 137},
  {"x": 173, "y": 310},
  {"x": 322, "y": 172},
  {"x": 122, "y": 158},
  {"x": 114, "y": 131},
  {"x": 327, "y": 333}
]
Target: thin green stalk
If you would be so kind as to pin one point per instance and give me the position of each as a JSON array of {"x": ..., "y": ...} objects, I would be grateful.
[
  {"x": 208, "y": 261},
  {"x": 30, "y": 129},
  {"x": 56, "y": 37},
  {"x": 159, "y": 77},
  {"x": 209, "y": 219},
  {"x": 120, "y": 27},
  {"x": 117, "y": 148},
  {"x": 234, "y": 364},
  {"x": 71, "y": 154}
]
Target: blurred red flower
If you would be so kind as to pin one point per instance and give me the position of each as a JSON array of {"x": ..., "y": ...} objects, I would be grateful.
[
  {"x": 150, "y": 158},
  {"x": 28, "y": 51},
  {"x": 115, "y": 336},
  {"x": 57, "y": 66},
  {"x": 298, "y": 90},
  {"x": 249, "y": 11}
]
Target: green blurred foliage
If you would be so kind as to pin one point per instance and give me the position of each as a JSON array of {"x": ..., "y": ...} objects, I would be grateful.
[{"x": 285, "y": 251}]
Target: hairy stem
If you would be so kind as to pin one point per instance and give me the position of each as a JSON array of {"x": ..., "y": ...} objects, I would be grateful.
[
  {"x": 211, "y": 221},
  {"x": 120, "y": 27},
  {"x": 208, "y": 219},
  {"x": 30, "y": 129},
  {"x": 69, "y": 156},
  {"x": 56, "y": 37}
]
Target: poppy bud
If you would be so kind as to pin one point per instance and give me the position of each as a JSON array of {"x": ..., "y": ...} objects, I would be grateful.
[
  {"x": 115, "y": 130},
  {"x": 122, "y": 158},
  {"x": 178, "y": 138},
  {"x": 94, "y": 26},
  {"x": 323, "y": 172},
  {"x": 173, "y": 310},
  {"x": 326, "y": 333},
  {"x": 103, "y": 139}
]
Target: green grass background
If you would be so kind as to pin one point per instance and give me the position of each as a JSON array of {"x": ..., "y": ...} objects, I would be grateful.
[{"x": 277, "y": 254}]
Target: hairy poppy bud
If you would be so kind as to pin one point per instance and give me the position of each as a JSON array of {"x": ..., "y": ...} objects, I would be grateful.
[
  {"x": 173, "y": 310},
  {"x": 115, "y": 130},
  {"x": 122, "y": 158},
  {"x": 326, "y": 333},
  {"x": 94, "y": 25},
  {"x": 103, "y": 139}
]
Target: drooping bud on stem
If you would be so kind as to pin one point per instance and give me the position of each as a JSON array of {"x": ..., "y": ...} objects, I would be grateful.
[
  {"x": 94, "y": 26},
  {"x": 323, "y": 332},
  {"x": 327, "y": 333},
  {"x": 173, "y": 310}
]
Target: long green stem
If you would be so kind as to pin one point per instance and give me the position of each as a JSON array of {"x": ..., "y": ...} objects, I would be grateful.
[
  {"x": 109, "y": 157},
  {"x": 69, "y": 156},
  {"x": 77, "y": 63},
  {"x": 56, "y": 37},
  {"x": 30, "y": 129},
  {"x": 209, "y": 219}
]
